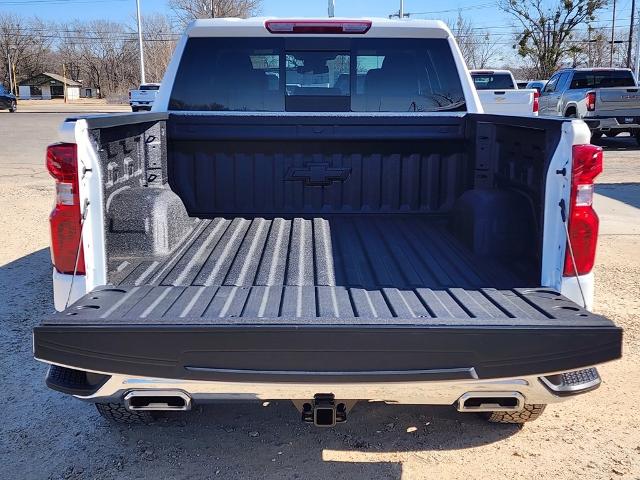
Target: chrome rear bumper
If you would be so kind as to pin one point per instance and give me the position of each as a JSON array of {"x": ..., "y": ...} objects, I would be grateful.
[{"x": 545, "y": 389}]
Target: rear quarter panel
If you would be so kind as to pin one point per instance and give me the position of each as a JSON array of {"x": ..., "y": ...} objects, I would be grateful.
[
  {"x": 558, "y": 187},
  {"x": 89, "y": 173},
  {"x": 575, "y": 99}
]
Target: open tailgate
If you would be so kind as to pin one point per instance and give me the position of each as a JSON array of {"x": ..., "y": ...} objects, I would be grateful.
[
  {"x": 299, "y": 333},
  {"x": 621, "y": 100}
]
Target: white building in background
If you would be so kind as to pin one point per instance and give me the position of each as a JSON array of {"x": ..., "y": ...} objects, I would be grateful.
[{"x": 51, "y": 85}]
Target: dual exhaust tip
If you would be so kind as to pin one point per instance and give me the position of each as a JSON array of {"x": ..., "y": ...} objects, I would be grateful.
[
  {"x": 157, "y": 400},
  {"x": 490, "y": 402}
]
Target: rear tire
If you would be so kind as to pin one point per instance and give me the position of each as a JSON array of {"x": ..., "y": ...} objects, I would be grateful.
[
  {"x": 637, "y": 135},
  {"x": 13, "y": 107},
  {"x": 529, "y": 413},
  {"x": 117, "y": 413}
]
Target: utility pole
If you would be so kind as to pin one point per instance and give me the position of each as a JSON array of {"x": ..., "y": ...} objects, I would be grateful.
[
  {"x": 401, "y": 12},
  {"x": 64, "y": 82},
  {"x": 637, "y": 65},
  {"x": 15, "y": 81},
  {"x": 332, "y": 8},
  {"x": 140, "y": 47},
  {"x": 613, "y": 33},
  {"x": 10, "y": 75},
  {"x": 589, "y": 45},
  {"x": 631, "y": 25}
]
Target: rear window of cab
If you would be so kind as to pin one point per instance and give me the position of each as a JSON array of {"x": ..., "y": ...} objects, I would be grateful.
[
  {"x": 317, "y": 74},
  {"x": 493, "y": 81}
]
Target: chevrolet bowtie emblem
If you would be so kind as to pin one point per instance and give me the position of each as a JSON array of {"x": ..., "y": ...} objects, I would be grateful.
[{"x": 318, "y": 174}]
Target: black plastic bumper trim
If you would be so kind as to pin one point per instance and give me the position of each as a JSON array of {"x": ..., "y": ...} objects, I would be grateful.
[
  {"x": 221, "y": 351},
  {"x": 74, "y": 382}
]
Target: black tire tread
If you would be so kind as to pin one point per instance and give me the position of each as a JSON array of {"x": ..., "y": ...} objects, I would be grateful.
[
  {"x": 529, "y": 413},
  {"x": 116, "y": 412}
]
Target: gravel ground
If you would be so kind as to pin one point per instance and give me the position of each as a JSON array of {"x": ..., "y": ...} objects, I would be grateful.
[
  {"x": 49, "y": 435},
  {"x": 57, "y": 105}
]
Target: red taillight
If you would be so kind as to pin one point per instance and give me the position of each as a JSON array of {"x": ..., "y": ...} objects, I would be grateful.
[
  {"x": 583, "y": 220},
  {"x": 536, "y": 101},
  {"x": 62, "y": 163},
  {"x": 318, "y": 26},
  {"x": 591, "y": 101}
]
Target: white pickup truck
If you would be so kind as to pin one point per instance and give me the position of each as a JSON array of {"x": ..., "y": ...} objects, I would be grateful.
[
  {"x": 499, "y": 93},
  {"x": 319, "y": 211},
  {"x": 143, "y": 97}
]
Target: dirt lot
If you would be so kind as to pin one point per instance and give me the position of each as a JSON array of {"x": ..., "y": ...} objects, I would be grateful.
[{"x": 48, "y": 435}]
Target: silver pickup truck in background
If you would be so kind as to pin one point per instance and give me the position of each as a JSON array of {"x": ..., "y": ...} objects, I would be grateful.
[{"x": 608, "y": 99}]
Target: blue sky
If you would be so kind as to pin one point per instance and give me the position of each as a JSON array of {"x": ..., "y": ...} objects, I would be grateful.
[
  {"x": 122, "y": 9},
  {"x": 483, "y": 13}
]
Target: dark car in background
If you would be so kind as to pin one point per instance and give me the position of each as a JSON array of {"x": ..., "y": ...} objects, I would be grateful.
[
  {"x": 537, "y": 84},
  {"x": 7, "y": 100}
]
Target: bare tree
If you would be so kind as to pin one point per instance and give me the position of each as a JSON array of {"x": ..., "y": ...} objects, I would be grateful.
[
  {"x": 463, "y": 32},
  {"x": 159, "y": 43},
  {"x": 69, "y": 50},
  {"x": 108, "y": 55},
  {"x": 98, "y": 53},
  {"x": 187, "y": 10},
  {"x": 525, "y": 71},
  {"x": 593, "y": 48},
  {"x": 23, "y": 42},
  {"x": 478, "y": 47},
  {"x": 545, "y": 32}
]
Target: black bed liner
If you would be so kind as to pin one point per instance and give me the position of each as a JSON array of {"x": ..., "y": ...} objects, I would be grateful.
[{"x": 365, "y": 251}]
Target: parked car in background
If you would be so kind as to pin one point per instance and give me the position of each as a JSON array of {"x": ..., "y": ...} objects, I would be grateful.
[
  {"x": 608, "y": 99},
  {"x": 537, "y": 85},
  {"x": 143, "y": 97},
  {"x": 301, "y": 241},
  {"x": 499, "y": 93},
  {"x": 521, "y": 83},
  {"x": 8, "y": 100}
]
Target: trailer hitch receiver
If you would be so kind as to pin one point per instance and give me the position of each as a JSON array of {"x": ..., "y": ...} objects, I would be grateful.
[{"x": 324, "y": 411}]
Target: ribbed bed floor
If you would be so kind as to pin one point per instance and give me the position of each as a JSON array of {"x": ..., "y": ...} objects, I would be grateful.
[{"x": 369, "y": 252}]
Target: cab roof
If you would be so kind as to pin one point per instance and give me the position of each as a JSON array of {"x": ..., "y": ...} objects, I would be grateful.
[{"x": 379, "y": 27}]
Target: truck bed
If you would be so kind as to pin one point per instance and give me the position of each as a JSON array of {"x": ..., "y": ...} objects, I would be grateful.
[{"x": 371, "y": 277}]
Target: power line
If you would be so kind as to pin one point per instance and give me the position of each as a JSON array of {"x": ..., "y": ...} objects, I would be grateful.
[
  {"x": 51, "y": 2},
  {"x": 472, "y": 7}
]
